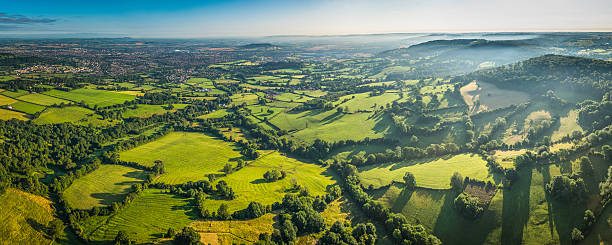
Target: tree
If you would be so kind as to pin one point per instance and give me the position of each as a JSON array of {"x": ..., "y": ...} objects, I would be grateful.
[
  {"x": 586, "y": 168},
  {"x": 576, "y": 235},
  {"x": 589, "y": 218},
  {"x": 170, "y": 233},
  {"x": 456, "y": 182},
  {"x": 607, "y": 152},
  {"x": 228, "y": 168},
  {"x": 256, "y": 210},
  {"x": 188, "y": 236},
  {"x": 468, "y": 205},
  {"x": 409, "y": 181},
  {"x": 122, "y": 238},
  {"x": 223, "y": 212},
  {"x": 55, "y": 228}
]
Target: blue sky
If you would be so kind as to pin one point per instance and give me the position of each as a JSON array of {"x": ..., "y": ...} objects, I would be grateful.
[{"x": 234, "y": 18}]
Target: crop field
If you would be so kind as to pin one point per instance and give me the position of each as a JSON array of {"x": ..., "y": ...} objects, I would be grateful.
[
  {"x": 26, "y": 107},
  {"x": 42, "y": 99},
  {"x": 6, "y": 100},
  {"x": 102, "y": 187},
  {"x": 149, "y": 110},
  {"x": 429, "y": 173},
  {"x": 23, "y": 217},
  {"x": 145, "y": 219},
  {"x": 186, "y": 156},
  {"x": 92, "y": 96},
  {"x": 234, "y": 231},
  {"x": 8, "y": 115},
  {"x": 291, "y": 97},
  {"x": 484, "y": 96},
  {"x": 73, "y": 114},
  {"x": 249, "y": 184}
]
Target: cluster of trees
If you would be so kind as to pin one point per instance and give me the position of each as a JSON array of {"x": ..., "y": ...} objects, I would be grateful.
[
  {"x": 567, "y": 188},
  {"x": 402, "y": 231},
  {"x": 468, "y": 205},
  {"x": 404, "y": 153},
  {"x": 274, "y": 175},
  {"x": 363, "y": 234}
]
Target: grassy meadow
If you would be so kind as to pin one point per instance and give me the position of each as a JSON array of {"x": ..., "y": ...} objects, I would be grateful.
[
  {"x": 92, "y": 96},
  {"x": 186, "y": 156},
  {"x": 429, "y": 173},
  {"x": 102, "y": 187}
]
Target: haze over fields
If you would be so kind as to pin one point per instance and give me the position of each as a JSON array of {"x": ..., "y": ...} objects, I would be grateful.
[{"x": 306, "y": 122}]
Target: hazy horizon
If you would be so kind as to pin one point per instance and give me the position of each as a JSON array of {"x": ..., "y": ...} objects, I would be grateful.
[{"x": 241, "y": 18}]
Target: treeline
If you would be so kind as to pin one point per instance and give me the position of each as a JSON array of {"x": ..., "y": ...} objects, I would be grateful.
[{"x": 401, "y": 231}]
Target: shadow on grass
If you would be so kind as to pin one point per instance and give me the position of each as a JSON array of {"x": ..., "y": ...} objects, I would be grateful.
[
  {"x": 515, "y": 210},
  {"x": 453, "y": 228}
]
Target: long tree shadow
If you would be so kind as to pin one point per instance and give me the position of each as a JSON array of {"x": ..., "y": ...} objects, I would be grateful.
[
  {"x": 515, "y": 210},
  {"x": 453, "y": 228}
]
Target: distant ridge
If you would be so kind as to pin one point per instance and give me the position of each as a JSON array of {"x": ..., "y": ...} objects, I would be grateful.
[{"x": 258, "y": 46}]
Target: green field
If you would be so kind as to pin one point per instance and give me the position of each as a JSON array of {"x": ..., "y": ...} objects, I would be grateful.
[
  {"x": 73, "y": 114},
  {"x": 233, "y": 232},
  {"x": 149, "y": 110},
  {"x": 26, "y": 107},
  {"x": 490, "y": 97},
  {"x": 6, "y": 100},
  {"x": 248, "y": 98},
  {"x": 102, "y": 187},
  {"x": 568, "y": 124},
  {"x": 186, "y": 156},
  {"x": 429, "y": 173},
  {"x": 249, "y": 184},
  {"x": 364, "y": 101},
  {"x": 92, "y": 96},
  {"x": 12, "y": 94},
  {"x": 145, "y": 219},
  {"x": 42, "y": 99},
  {"x": 8, "y": 115},
  {"x": 332, "y": 126},
  {"x": 23, "y": 217},
  {"x": 215, "y": 114}
]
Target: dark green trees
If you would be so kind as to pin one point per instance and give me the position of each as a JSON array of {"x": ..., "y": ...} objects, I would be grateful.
[
  {"x": 456, "y": 182},
  {"x": 409, "y": 181},
  {"x": 188, "y": 236}
]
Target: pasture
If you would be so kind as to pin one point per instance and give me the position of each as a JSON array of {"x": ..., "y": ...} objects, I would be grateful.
[
  {"x": 42, "y": 99},
  {"x": 522, "y": 214},
  {"x": 249, "y": 185},
  {"x": 187, "y": 156},
  {"x": 215, "y": 114},
  {"x": 481, "y": 96},
  {"x": 73, "y": 114},
  {"x": 233, "y": 231},
  {"x": 92, "y": 96},
  {"x": 145, "y": 219},
  {"x": 8, "y": 115},
  {"x": 6, "y": 100},
  {"x": 26, "y": 107},
  {"x": 365, "y": 102},
  {"x": 24, "y": 217},
  {"x": 429, "y": 173},
  {"x": 144, "y": 110},
  {"x": 102, "y": 187}
]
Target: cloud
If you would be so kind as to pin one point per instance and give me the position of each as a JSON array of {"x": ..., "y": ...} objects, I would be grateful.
[{"x": 20, "y": 19}]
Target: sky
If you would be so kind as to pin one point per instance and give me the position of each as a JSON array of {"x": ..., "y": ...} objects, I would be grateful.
[{"x": 256, "y": 18}]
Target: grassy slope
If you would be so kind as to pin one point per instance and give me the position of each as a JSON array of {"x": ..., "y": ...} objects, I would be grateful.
[
  {"x": 145, "y": 219},
  {"x": 92, "y": 96},
  {"x": 27, "y": 107},
  {"x": 249, "y": 185},
  {"x": 429, "y": 173},
  {"x": 149, "y": 110},
  {"x": 230, "y": 232},
  {"x": 105, "y": 185},
  {"x": 42, "y": 99},
  {"x": 6, "y": 100},
  {"x": 187, "y": 156},
  {"x": 73, "y": 114},
  {"x": 8, "y": 115},
  {"x": 23, "y": 217}
]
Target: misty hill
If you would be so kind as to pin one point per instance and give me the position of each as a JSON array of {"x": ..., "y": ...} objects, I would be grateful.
[
  {"x": 548, "y": 71},
  {"x": 477, "y": 50}
]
